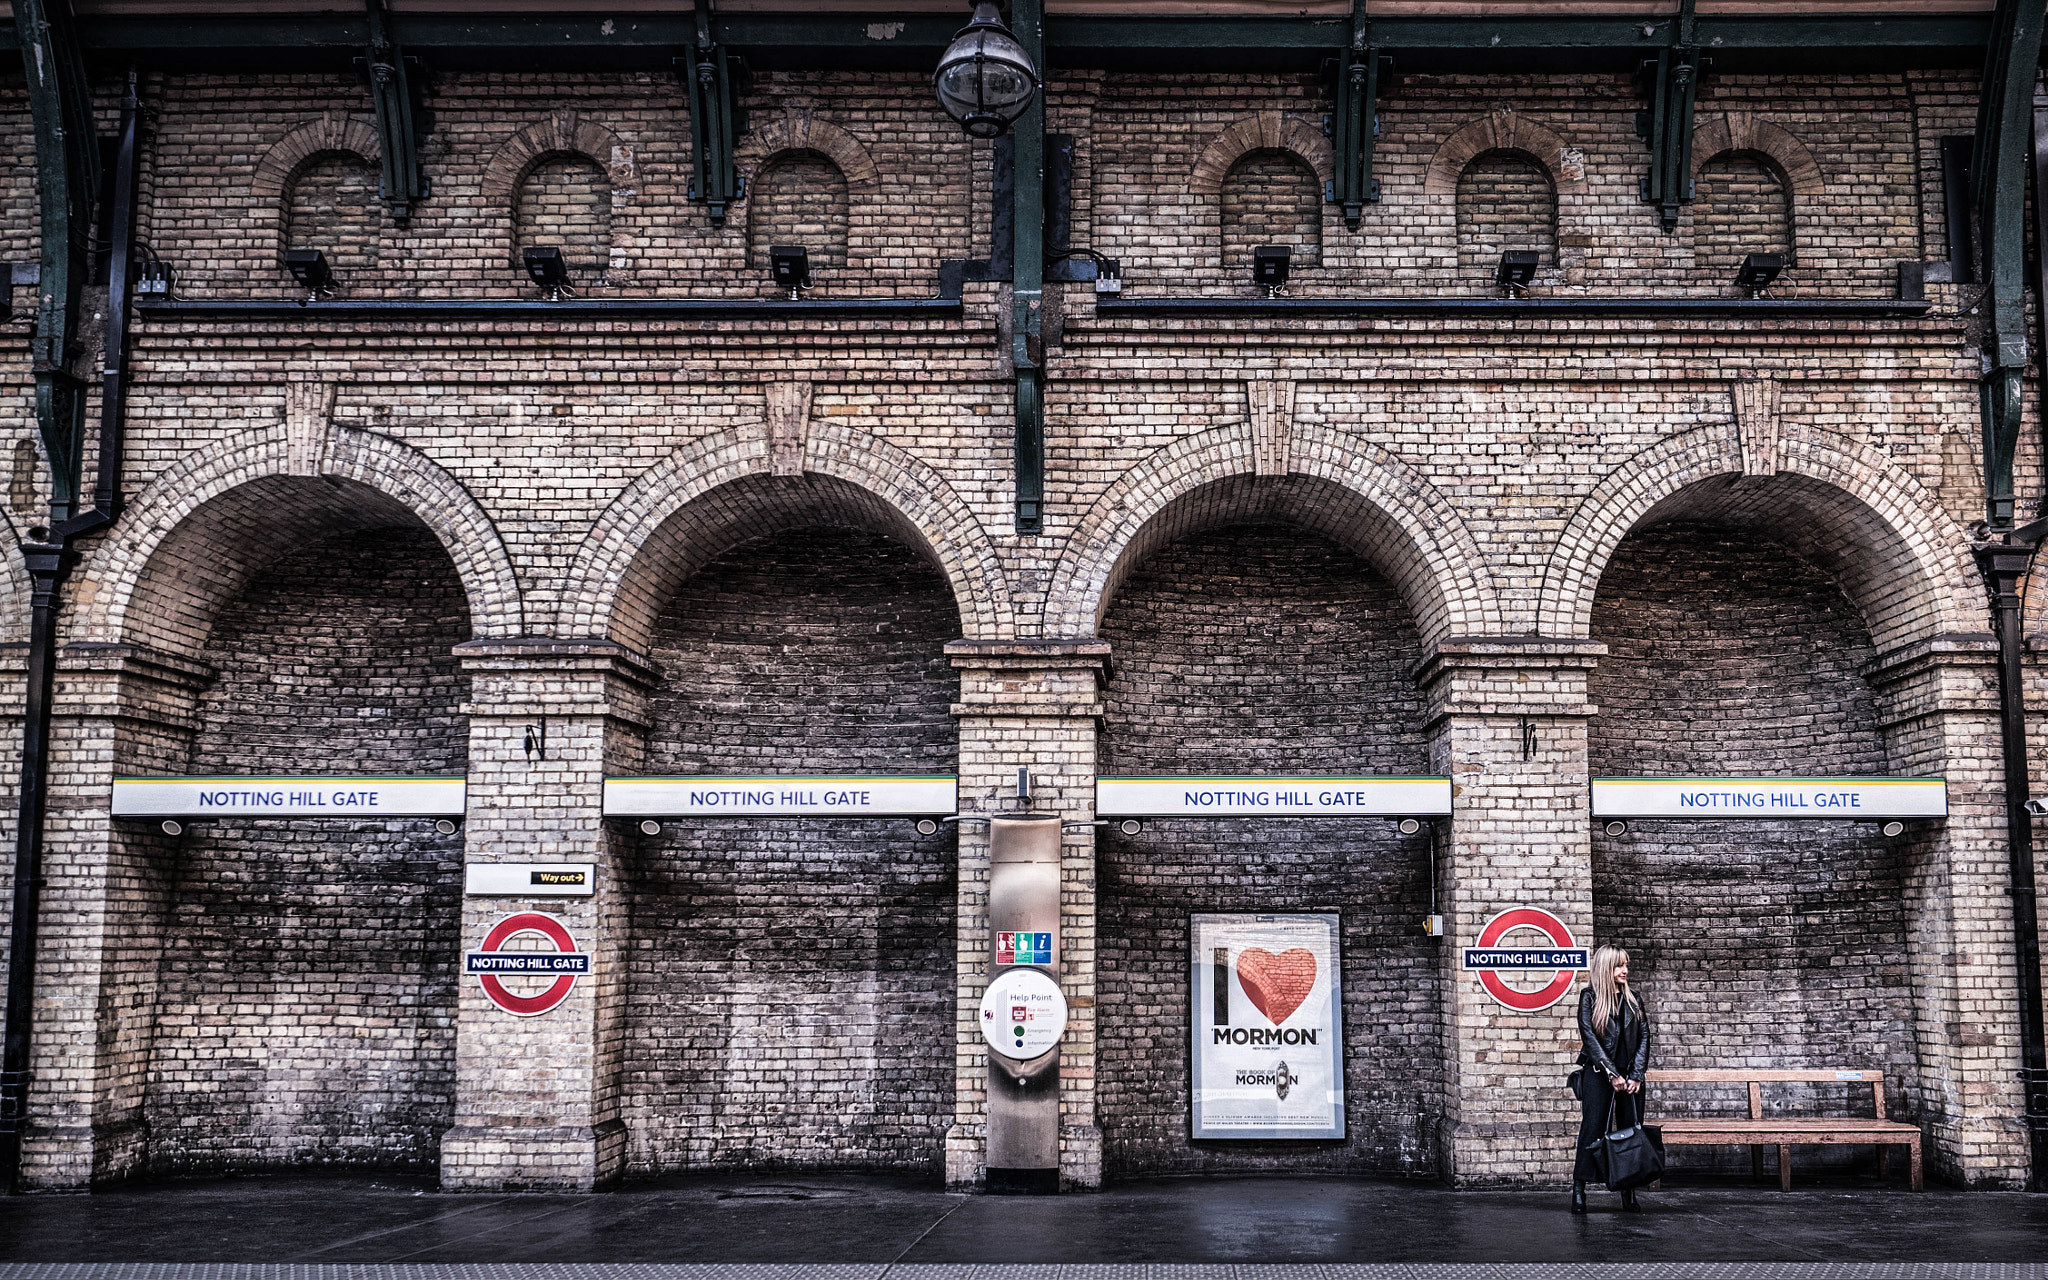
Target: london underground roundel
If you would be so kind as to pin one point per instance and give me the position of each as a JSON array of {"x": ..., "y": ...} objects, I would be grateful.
[
  {"x": 491, "y": 963},
  {"x": 1561, "y": 959}
]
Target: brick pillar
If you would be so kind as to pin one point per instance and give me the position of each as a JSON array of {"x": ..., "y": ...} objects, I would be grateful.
[
  {"x": 1518, "y": 836},
  {"x": 119, "y": 709},
  {"x": 1033, "y": 704},
  {"x": 537, "y": 1099},
  {"x": 1938, "y": 703}
]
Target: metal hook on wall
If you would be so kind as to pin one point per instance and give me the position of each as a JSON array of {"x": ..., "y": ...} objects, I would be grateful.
[{"x": 537, "y": 740}]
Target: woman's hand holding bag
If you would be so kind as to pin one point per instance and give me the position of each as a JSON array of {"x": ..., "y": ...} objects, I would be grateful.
[{"x": 1633, "y": 1157}]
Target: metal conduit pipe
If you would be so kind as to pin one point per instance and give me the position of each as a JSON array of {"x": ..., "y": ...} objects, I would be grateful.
[{"x": 48, "y": 556}]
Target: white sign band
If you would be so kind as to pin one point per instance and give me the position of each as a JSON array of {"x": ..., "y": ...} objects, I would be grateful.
[
  {"x": 314, "y": 797},
  {"x": 1851, "y": 798},
  {"x": 1272, "y": 797},
  {"x": 530, "y": 879},
  {"x": 841, "y": 797}
]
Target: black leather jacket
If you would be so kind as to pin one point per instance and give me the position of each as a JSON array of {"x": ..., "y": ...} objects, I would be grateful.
[{"x": 1627, "y": 1041}]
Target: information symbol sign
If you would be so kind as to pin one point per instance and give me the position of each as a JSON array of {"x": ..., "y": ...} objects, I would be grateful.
[{"x": 1023, "y": 948}]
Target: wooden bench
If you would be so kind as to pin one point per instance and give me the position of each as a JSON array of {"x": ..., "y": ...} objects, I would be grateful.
[{"x": 1756, "y": 1132}]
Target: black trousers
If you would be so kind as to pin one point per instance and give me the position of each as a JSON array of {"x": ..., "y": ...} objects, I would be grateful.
[{"x": 1599, "y": 1095}]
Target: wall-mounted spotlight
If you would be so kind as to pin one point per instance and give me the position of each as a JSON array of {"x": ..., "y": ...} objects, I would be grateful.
[
  {"x": 985, "y": 80},
  {"x": 1757, "y": 271},
  {"x": 927, "y": 827},
  {"x": 310, "y": 270},
  {"x": 2037, "y": 807},
  {"x": 1269, "y": 267},
  {"x": 1517, "y": 268},
  {"x": 12, "y": 274},
  {"x": 173, "y": 827},
  {"x": 1130, "y": 826},
  {"x": 1408, "y": 826},
  {"x": 1617, "y": 828},
  {"x": 545, "y": 267},
  {"x": 447, "y": 826},
  {"x": 1895, "y": 828},
  {"x": 791, "y": 265},
  {"x": 649, "y": 827}
]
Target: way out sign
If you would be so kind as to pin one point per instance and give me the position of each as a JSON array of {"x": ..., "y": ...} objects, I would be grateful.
[
  {"x": 527, "y": 949},
  {"x": 1543, "y": 947}
]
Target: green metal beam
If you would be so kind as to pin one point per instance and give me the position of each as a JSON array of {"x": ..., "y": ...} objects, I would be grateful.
[
  {"x": 711, "y": 75},
  {"x": 1670, "y": 81},
  {"x": 882, "y": 39},
  {"x": 67, "y": 181},
  {"x": 1355, "y": 124},
  {"x": 398, "y": 112},
  {"x": 1998, "y": 171},
  {"x": 1027, "y": 279}
]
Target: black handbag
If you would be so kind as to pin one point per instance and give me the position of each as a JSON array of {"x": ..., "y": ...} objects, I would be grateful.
[{"x": 1633, "y": 1156}]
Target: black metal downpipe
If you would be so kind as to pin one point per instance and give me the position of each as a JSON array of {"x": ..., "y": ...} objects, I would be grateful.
[
  {"x": 48, "y": 557},
  {"x": 2005, "y": 568}
]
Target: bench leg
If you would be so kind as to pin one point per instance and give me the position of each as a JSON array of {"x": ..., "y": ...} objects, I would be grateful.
[
  {"x": 1784, "y": 1168},
  {"x": 1884, "y": 1163},
  {"x": 1915, "y": 1146},
  {"x": 1756, "y": 1163}
]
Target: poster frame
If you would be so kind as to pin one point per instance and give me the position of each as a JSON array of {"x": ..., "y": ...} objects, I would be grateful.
[{"x": 1337, "y": 1050}]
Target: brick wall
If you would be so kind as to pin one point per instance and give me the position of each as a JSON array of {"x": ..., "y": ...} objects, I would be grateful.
[
  {"x": 1754, "y": 943},
  {"x": 1740, "y": 207},
  {"x": 333, "y": 207},
  {"x": 305, "y": 1015},
  {"x": 1505, "y": 201},
  {"x": 791, "y": 980},
  {"x": 798, "y": 198},
  {"x": 566, "y": 201},
  {"x": 1271, "y": 197},
  {"x": 1247, "y": 649}
]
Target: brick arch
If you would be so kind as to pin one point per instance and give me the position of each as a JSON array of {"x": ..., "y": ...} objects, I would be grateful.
[
  {"x": 803, "y": 131},
  {"x": 199, "y": 531},
  {"x": 566, "y": 132},
  {"x": 1352, "y": 491},
  {"x": 1265, "y": 131},
  {"x": 563, "y": 132},
  {"x": 716, "y": 492},
  {"x": 335, "y": 133},
  {"x": 1837, "y": 503},
  {"x": 15, "y": 588},
  {"x": 1716, "y": 136},
  {"x": 1505, "y": 129}
]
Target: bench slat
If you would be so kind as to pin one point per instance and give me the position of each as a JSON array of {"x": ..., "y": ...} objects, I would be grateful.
[
  {"x": 1700, "y": 1076},
  {"x": 1755, "y": 1130}
]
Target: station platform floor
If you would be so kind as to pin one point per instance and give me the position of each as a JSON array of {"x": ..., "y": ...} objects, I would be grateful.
[{"x": 850, "y": 1227}]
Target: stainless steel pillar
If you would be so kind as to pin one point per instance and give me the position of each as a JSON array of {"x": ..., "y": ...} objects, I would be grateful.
[{"x": 1024, "y": 1095}]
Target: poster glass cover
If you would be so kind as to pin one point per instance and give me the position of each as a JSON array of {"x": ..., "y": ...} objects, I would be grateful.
[{"x": 1268, "y": 1058}]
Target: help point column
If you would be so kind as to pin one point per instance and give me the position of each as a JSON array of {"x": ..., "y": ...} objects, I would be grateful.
[
  {"x": 537, "y": 1098},
  {"x": 1032, "y": 704}
]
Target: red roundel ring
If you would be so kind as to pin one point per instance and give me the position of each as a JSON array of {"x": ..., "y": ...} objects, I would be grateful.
[
  {"x": 1552, "y": 928},
  {"x": 528, "y": 922}
]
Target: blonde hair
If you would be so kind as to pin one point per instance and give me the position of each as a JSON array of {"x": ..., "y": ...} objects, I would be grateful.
[{"x": 1607, "y": 997}]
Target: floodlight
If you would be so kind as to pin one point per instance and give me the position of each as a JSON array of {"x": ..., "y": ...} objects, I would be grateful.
[
  {"x": 1617, "y": 828},
  {"x": 545, "y": 267},
  {"x": 1408, "y": 826},
  {"x": 791, "y": 265},
  {"x": 1895, "y": 828},
  {"x": 1758, "y": 270},
  {"x": 1130, "y": 826},
  {"x": 649, "y": 827},
  {"x": 309, "y": 268},
  {"x": 1517, "y": 268},
  {"x": 1269, "y": 267}
]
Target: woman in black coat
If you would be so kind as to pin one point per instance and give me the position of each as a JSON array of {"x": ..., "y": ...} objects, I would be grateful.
[{"x": 1614, "y": 1039}]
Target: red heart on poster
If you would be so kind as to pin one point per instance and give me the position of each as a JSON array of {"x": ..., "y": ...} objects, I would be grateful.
[{"x": 1276, "y": 984}]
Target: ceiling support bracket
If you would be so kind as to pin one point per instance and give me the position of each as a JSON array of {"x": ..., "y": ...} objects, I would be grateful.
[
  {"x": 1670, "y": 82},
  {"x": 402, "y": 119}
]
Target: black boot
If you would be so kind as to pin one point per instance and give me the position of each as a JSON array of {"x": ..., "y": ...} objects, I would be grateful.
[
  {"x": 1578, "y": 1197},
  {"x": 1628, "y": 1203}
]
